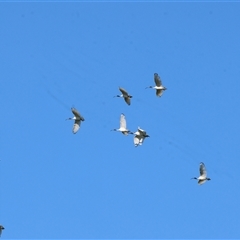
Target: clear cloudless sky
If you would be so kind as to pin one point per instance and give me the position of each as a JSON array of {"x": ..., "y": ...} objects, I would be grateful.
[{"x": 96, "y": 184}]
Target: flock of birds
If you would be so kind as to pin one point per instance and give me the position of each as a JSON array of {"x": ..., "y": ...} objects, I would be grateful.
[{"x": 140, "y": 134}]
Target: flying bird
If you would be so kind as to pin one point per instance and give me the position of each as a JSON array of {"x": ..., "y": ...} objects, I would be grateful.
[
  {"x": 159, "y": 87},
  {"x": 203, "y": 174},
  {"x": 123, "y": 126},
  {"x": 139, "y": 137},
  {"x": 78, "y": 118},
  {"x": 125, "y": 95},
  {"x": 1, "y": 228}
]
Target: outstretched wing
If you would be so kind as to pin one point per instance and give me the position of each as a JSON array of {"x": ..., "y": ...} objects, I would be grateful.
[
  {"x": 123, "y": 123},
  {"x": 127, "y": 100},
  {"x": 123, "y": 91},
  {"x": 136, "y": 140},
  {"x": 141, "y": 131},
  {"x": 77, "y": 114},
  {"x": 141, "y": 140},
  {"x": 1, "y": 228},
  {"x": 203, "y": 171},
  {"x": 76, "y": 126},
  {"x": 201, "y": 181},
  {"x": 159, "y": 92},
  {"x": 157, "y": 80}
]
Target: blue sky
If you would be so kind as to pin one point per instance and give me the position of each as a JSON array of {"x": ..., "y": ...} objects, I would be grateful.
[{"x": 96, "y": 184}]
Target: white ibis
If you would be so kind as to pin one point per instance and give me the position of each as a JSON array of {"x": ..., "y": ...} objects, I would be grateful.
[
  {"x": 125, "y": 95},
  {"x": 203, "y": 174},
  {"x": 159, "y": 87},
  {"x": 123, "y": 126},
  {"x": 78, "y": 118},
  {"x": 139, "y": 137}
]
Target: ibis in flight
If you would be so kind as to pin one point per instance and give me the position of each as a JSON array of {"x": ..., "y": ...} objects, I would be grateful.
[
  {"x": 203, "y": 174},
  {"x": 123, "y": 126},
  {"x": 159, "y": 87},
  {"x": 125, "y": 95},
  {"x": 77, "y": 120},
  {"x": 139, "y": 137}
]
